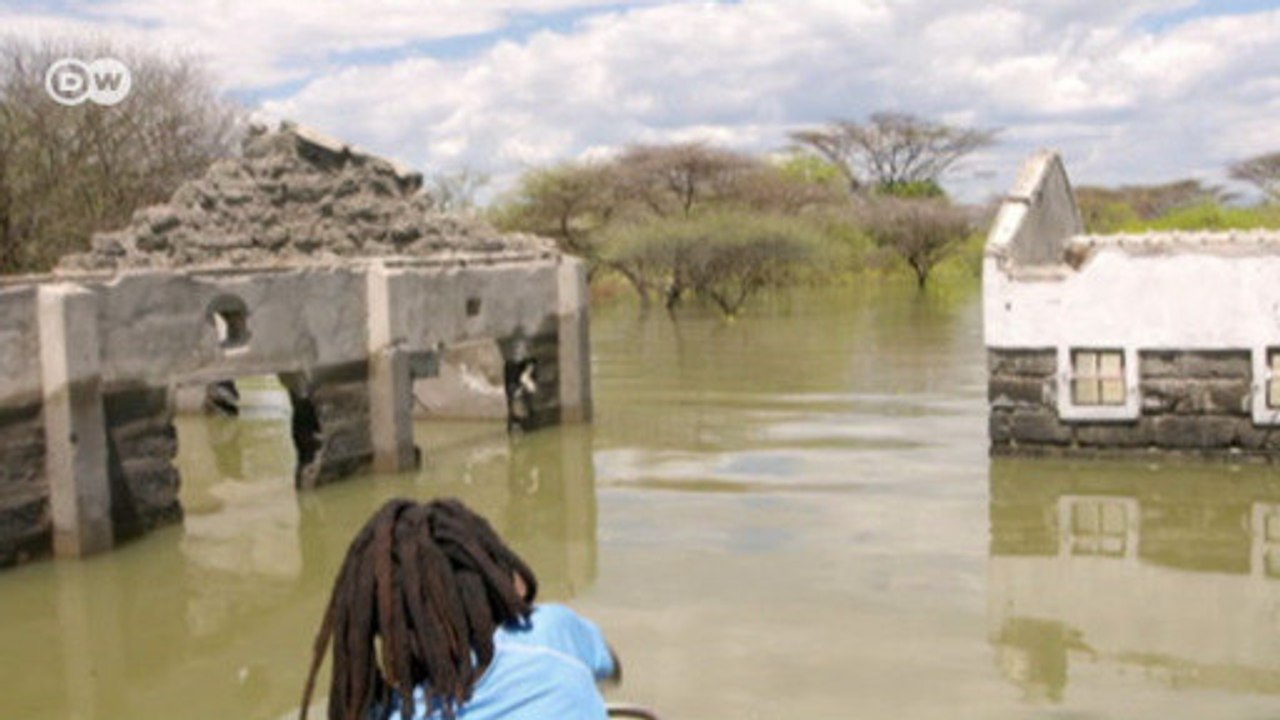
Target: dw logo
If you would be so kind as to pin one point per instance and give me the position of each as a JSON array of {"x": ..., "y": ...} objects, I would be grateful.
[{"x": 105, "y": 81}]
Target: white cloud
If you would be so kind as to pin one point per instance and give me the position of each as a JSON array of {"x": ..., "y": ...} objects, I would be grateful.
[
  {"x": 1126, "y": 99},
  {"x": 261, "y": 43}
]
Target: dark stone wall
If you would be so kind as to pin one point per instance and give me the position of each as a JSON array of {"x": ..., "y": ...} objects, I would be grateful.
[
  {"x": 141, "y": 446},
  {"x": 331, "y": 431},
  {"x": 25, "y": 523},
  {"x": 1193, "y": 402}
]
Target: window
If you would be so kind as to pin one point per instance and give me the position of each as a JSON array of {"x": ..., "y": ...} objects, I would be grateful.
[
  {"x": 1097, "y": 377},
  {"x": 1099, "y": 527},
  {"x": 1273, "y": 379}
]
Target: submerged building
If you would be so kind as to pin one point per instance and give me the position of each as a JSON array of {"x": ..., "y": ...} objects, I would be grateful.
[
  {"x": 305, "y": 259},
  {"x": 1165, "y": 341}
]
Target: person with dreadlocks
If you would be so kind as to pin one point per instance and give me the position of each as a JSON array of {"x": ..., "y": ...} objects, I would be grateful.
[{"x": 432, "y": 618}]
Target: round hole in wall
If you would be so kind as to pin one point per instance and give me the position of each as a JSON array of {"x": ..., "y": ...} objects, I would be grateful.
[{"x": 230, "y": 319}]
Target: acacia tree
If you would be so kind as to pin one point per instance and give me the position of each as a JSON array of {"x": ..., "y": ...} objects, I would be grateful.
[
  {"x": 893, "y": 152},
  {"x": 724, "y": 257},
  {"x": 676, "y": 179},
  {"x": 66, "y": 172},
  {"x": 920, "y": 231},
  {"x": 1263, "y": 171}
]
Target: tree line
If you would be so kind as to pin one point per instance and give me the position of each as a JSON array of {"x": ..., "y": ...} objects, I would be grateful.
[
  {"x": 692, "y": 219},
  {"x": 1187, "y": 204},
  {"x": 672, "y": 221}
]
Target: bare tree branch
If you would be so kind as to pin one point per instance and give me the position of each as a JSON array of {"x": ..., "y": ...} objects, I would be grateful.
[
  {"x": 892, "y": 150},
  {"x": 66, "y": 172},
  {"x": 1263, "y": 171}
]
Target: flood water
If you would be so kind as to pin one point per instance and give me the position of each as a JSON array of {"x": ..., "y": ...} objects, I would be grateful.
[{"x": 788, "y": 516}]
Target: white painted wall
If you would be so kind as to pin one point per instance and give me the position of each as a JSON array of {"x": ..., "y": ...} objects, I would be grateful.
[
  {"x": 1220, "y": 296},
  {"x": 1176, "y": 301}
]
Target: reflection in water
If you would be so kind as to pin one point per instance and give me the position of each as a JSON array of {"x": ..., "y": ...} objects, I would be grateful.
[
  {"x": 214, "y": 619},
  {"x": 1171, "y": 571}
]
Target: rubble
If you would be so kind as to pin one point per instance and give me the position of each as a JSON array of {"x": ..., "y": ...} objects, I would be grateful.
[{"x": 293, "y": 196}]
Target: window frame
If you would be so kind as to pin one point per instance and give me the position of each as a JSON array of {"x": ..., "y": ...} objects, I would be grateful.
[
  {"x": 1097, "y": 379},
  {"x": 1264, "y": 376},
  {"x": 1069, "y": 409},
  {"x": 1129, "y": 536}
]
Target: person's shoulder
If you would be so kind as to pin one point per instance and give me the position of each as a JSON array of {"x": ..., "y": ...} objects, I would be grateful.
[
  {"x": 550, "y": 663},
  {"x": 544, "y": 683},
  {"x": 554, "y": 612}
]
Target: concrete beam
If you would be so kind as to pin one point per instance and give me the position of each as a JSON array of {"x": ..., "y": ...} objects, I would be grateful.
[
  {"x": 573, "y": 337},
  {"x": 390, "y": 382},
  {"x": 75, "y": 435}
]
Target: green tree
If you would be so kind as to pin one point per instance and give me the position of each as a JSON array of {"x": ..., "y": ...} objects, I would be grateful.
[
  {"x": 922, "y": 232},
  {"x": 578, "y": 203},
  {"x": 725, "y": 257}
]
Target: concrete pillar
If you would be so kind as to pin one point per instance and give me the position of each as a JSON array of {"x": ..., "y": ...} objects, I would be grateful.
[
  {"x": 390, "y": 382},
  {"x": 574, "y": 359},
  {"x": 75, "y": 435}
]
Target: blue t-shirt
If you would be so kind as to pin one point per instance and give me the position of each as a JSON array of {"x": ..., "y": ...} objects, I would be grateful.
[
  {"x": 558, "y": 628},
  {"x": 544, "y": 669}
]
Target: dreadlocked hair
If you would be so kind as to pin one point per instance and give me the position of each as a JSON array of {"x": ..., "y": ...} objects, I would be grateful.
[{"x": 420, "y": 593}]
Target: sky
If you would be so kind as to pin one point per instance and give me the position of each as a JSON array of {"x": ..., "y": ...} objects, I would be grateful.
[{"x": 1130, "y": 92}]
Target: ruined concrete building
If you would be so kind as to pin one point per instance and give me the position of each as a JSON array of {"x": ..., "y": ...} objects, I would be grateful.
[
  {"x": 1119, "y": 343},
  {"x": 305, "y": 259}
]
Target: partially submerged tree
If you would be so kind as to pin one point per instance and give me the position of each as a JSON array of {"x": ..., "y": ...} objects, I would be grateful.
[
  {"x": 921, "y": 231},
  {"x": 577, "y": 203},
  {"x": 1262, "y": 171},
  {"x": 724, "y": 257},
  {"x": 66, "y": 172},
  {"x": 893, "y": 150}
]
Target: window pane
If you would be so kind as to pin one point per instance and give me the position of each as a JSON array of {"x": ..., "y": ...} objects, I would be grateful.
[
  {"x": 1112, "y": 545},
  {"x": 1273, "y": 393},
  {"x": 1086, "y": 364},
  {"x": 1084, "y": 518},
  {"x": 1112, "y": 392},
  {"x": 1085, "y": 392},
  {"x": 1114, "y": 521},
  {"x": 1111, "y": 365}
]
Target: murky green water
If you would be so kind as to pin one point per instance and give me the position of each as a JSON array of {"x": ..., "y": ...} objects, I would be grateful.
[{"x": 792, "y": 515}]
